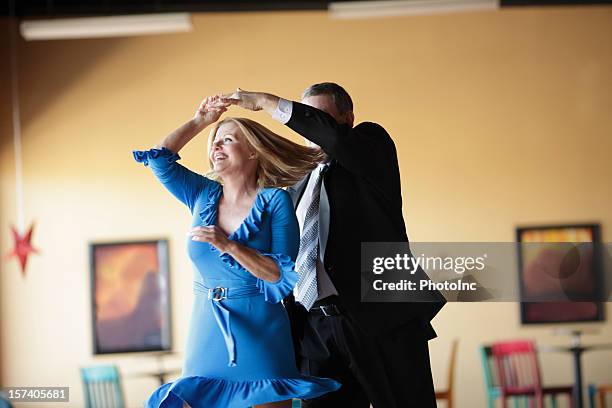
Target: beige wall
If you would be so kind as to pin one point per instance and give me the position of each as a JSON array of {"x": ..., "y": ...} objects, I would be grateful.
[{"x": 500, "y": 118}]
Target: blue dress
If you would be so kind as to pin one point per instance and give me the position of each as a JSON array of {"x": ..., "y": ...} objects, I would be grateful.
[{"x": 239, "y": 351}]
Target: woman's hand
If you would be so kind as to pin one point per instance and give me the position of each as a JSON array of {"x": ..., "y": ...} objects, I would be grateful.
[
  {"x": 258, "y": 265},
  {"x": 213, "y": 235},
  {"x": 209, "y": 111}
]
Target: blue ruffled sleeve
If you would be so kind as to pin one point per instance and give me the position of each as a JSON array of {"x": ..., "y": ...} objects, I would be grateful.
[
  {"x": 274, "y": 292},
  {"x": 183, "y": 183},
  {"x": 283, "y": 248}
]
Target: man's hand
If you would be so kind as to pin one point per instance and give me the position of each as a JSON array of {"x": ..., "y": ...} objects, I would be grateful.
[{"x": 254, "y": 101}]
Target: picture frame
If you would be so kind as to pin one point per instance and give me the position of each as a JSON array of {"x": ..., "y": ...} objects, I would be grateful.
[
  {"x": 573, "y": 294},
  {"x": 130, "y": 297}
]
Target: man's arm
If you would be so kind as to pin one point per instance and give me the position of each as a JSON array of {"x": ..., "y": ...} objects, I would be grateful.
[{"x": 362, "y": 150}]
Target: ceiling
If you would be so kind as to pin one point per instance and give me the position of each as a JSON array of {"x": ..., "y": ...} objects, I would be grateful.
[{"x": 59, "y": 8}]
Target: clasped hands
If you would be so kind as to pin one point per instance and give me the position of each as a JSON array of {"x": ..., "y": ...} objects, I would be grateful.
[{"x": 212, "y": 107}]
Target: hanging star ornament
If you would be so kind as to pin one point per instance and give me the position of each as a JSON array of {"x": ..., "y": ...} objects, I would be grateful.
[{"x": 23, "y": 247}]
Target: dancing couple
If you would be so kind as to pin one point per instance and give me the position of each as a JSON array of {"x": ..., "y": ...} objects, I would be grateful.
[{"x": 275, "y": 241}]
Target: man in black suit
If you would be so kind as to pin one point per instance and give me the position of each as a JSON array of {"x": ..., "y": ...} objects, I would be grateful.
[{"x": 378, "y": 351}]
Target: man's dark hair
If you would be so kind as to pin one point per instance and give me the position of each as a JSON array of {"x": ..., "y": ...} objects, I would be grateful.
[{"x": 341, "y": 98}]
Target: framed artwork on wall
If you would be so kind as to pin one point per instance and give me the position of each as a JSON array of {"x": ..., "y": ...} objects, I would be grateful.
[
  {"x": 130, "y": 297},
  {"x": 560, "y": 274}
]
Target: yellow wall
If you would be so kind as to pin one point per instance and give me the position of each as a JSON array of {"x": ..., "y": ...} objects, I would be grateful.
[
  {"x": 5, "y": 135},
  {"x": 500, "y": 118}
]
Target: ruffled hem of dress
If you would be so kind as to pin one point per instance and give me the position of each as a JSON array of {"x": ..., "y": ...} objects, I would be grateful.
[
  {"x": 205, "y": 392},
  {"x": 276, "y": 291},
  {"x": 143, "y": 156}
]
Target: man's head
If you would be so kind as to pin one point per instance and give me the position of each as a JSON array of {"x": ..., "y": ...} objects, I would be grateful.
[{"x": 331, "y": 98}]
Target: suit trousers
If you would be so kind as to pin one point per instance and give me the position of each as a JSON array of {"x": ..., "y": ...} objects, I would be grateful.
[{"x": 387, "y": 371}]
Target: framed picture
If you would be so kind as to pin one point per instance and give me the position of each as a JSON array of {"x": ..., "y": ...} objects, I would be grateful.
[
  {"x": 130, "y": 295},
  {"x": 560, "y": 274}
]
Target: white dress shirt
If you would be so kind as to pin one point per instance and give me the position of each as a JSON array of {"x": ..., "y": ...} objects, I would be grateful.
[{"x": 324, "y": 284}]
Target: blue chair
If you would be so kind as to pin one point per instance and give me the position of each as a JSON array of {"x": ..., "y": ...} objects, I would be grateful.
[
  {"x": 4, "y": 402},
  {"x": 102, "y": 387},
  {"x": 592, "y": 395}
]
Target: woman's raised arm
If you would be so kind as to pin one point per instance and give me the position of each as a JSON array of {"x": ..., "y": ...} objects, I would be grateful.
[
  {"x": 208, "y": 113},
  {"x": 183, "y": 183}
]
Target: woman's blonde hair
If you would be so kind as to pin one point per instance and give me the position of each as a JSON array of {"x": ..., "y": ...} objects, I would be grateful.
[{"x": 281, "y": 162}]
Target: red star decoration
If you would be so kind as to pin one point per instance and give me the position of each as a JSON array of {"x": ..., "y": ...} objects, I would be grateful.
[{"x": 23, "y": 247}]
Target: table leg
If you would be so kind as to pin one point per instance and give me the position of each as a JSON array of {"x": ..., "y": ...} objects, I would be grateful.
[{"x": 577, "y": 352}]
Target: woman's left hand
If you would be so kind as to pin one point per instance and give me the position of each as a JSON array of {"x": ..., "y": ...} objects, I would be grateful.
[
  {"x": 210, "y": 110},
  {"x": 213, "y": 235}
]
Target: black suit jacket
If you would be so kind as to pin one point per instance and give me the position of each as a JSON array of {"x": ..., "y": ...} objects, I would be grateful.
[{"x": 365, "y": 204}]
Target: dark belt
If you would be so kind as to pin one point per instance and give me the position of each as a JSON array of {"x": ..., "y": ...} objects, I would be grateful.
[{"x": 329, "y": 306}]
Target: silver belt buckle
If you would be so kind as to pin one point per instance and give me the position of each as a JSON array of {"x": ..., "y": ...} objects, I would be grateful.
[
  {"x": 217, "y": 294},
  {"x": 324, "y": 310}
]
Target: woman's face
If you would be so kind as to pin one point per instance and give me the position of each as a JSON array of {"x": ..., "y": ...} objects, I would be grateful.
[{"x": 230, "y": 152}]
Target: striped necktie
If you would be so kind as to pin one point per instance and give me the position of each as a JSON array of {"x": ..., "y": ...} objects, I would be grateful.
[{"x": 306, "y": 263}]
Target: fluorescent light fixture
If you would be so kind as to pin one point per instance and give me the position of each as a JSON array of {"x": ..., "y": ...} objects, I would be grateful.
[
  {"x": 100, "y": 27},
  {"x": 367, "y": 9}
]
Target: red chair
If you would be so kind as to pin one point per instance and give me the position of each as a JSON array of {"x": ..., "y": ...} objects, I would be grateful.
[
  {"x": 602, "y": 390},
  {"x": 519, "y": 374}
]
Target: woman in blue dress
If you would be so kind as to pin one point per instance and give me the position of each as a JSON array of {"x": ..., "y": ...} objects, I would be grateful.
[{"x": 243, "y": 243}]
